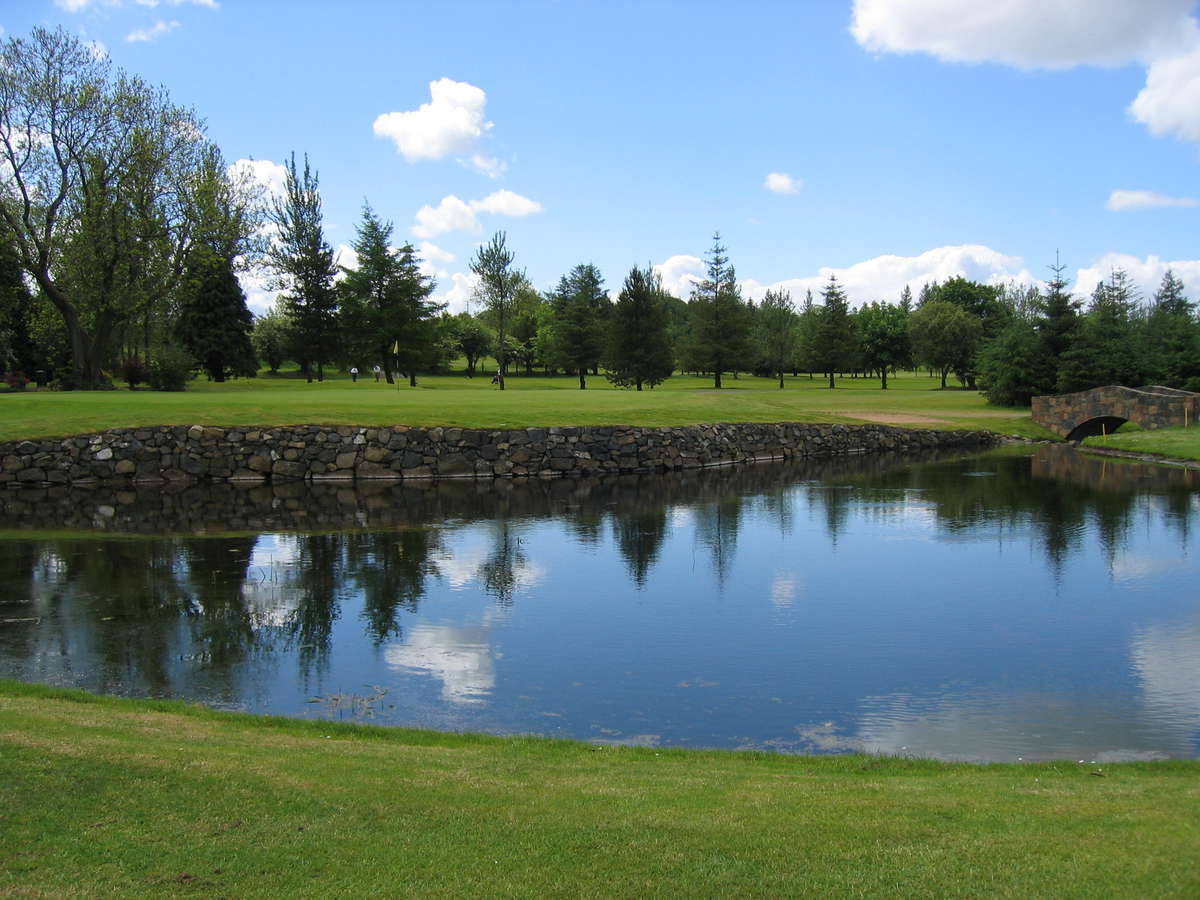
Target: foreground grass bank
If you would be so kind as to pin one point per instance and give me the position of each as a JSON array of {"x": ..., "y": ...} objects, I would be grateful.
[
  {"x": 1178, "y": 443},
  {"x": 103, "y": 797},
  {"x": 529, "y": 401}
]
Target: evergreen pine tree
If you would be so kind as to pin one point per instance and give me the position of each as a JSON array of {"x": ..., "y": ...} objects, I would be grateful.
[
  {"x": 1060, "y": 314},
  {"x": 834, "y": 338},
  {"x": 777, "y": 333},
  {"x": 1103, "y": 349},
  {"x": 386, "y": 315},
  {"x": 304, "y": 267},
  {"x": 1172, "y": 337},
  {"x": 720, "y": 319},
  {"x": 580, "y": 307},
  {"x": 214, "y": 322},
  {"x": 638, "y": 348}
]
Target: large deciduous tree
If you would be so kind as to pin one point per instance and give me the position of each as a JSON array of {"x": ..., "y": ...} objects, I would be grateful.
[
  {"x": 944, "y": 337},
  {"x": 639, "y": 347},
  {"x": 16, "y": 311},
  {"x": 883, "y": 338},
  {"x": 304, "y": 267},
  {"x": 103, "y": 188},
  {"x": 272, "y": 337}
]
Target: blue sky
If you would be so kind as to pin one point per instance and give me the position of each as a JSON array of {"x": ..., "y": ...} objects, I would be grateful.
[{"x": 908, "y": 139}]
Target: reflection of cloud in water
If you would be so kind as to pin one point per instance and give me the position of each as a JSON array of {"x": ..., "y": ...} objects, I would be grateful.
[
  {"x": 981, "y": 726},
  {"x": 784, "y": 589},
  {"x": 460, "y": 656},
  {"x": 460, "y": 562},
  {"x": 270, "y": 603},
  {"x": 1167, "y": 658},
  {"x": 1133, "y": 566},
  {"x": 681, "y": 517}
]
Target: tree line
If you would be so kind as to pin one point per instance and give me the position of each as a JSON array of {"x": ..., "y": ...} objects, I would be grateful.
[{"x": 123, "y": 233}]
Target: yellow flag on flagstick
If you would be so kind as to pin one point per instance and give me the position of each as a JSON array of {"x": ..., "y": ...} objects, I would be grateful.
[{"x": 396, "y": 347}]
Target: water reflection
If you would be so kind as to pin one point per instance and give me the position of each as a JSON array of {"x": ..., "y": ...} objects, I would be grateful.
[{"x": 1036, "y": 604}]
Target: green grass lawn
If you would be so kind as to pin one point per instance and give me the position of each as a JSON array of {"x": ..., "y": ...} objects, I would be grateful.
[
  {"x": 102, "y": 798},
  {"x": 528, "y": 401},
  {"x": 1180, "y": 443}
]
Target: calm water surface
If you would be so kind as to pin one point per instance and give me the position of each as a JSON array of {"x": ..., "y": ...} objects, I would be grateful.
[{"x": 1036, "y": 604}]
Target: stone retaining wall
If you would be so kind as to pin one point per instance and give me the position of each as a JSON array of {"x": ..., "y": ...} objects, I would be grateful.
[{"x": 181, "y": 452}]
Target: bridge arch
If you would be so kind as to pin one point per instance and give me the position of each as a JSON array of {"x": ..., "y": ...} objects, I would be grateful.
[
  {"x": 1095, "y": 426},
  {"x": 1104, "y": 409}
]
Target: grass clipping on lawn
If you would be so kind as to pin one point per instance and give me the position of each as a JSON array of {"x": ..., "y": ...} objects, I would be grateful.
[{"x": 105, "y": 797}]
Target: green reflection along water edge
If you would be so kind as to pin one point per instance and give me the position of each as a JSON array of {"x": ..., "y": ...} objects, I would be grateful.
[{"x": 1020, "y": 604}]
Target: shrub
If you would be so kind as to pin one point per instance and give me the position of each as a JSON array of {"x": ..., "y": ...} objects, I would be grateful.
[
  {"x": 16, "y": 381},
  {"x": 170, "y": 369},
  {"x": 134, "y": 371}
]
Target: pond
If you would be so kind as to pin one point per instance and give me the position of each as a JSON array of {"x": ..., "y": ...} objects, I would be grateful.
[{"x": 1022, "y": 604}]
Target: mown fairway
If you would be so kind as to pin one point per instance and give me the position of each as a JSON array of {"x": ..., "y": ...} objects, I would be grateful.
[
  {"x": 538, "y": 401},
  {"x": 102, "y": 798}
]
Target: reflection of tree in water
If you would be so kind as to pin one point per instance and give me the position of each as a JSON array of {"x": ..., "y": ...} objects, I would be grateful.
[
  {"x": 1057, "y": 493},
  {"x": 639, "y": 534},
  {"x": 779, "y": 503},
  {"x": 223, "y": 628},
  {"x": 585, "y": 522},
  {"x": 835, "y": 500},
  {"x": 717, "y": 525},
  {"x": 500, "y": 570},
  {"x": 390, "y": 568},
  {"x": 129, "y": 597},
  {"x": 317, "y": 580},
  {"x": 145, "y": 605}
]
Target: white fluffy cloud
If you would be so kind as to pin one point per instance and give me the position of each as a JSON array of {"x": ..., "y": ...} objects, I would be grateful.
[
  {"x": 506, "y": 203},
  {"x": 1169, "y": 104},
  {"x": 884, "y": 277},
  {"x": 1146, "y": 274},
  {"x": 679, "y": 273},
  {"x": 1162, "y": 34},
  {"x": 271, "y": 175},
  {"x": 80, "y": 5},
  {"x": 434, "y": 253},
  {"x": 459, "y": 289},
  {"x": 1025, "y": 33},
  {"x": 434, "y": 260},
  {"x": 153, "y": 33},
  {"x": 451, "y": 124},
  {"x": 453, "y": 214},
  {"x": 782, "y": 183},
  {"x": 1121, "y": 200}
]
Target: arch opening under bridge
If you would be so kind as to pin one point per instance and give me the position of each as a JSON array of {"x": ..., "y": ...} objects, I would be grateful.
[{"x": 1103, "y": 410}]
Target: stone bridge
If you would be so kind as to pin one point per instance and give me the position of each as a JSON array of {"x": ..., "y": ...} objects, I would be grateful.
[{"x": 1105, "y": 409}]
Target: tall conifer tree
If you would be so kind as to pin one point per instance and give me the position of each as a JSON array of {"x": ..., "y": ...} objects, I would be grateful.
[
  {"x": 639, "y": 349},
  {"x": 720, "y": 319},
  {"x": 304, "y": 267}
]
